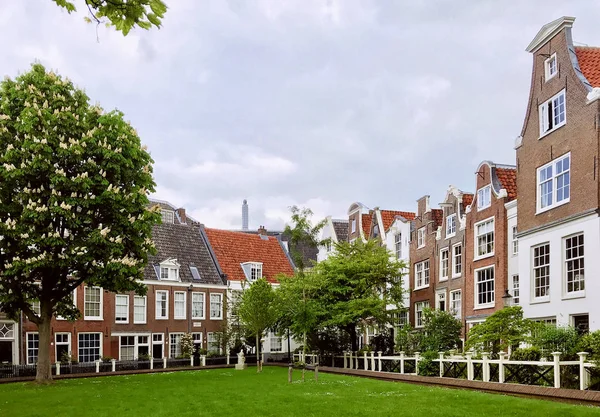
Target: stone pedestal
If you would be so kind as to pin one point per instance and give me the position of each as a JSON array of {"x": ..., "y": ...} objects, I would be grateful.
[{"x": 241, "y": 363}]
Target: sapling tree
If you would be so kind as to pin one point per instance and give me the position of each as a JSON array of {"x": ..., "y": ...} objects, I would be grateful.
[{"x": 74, "y": 184}]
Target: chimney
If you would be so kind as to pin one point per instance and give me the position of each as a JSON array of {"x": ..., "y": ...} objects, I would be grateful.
[
  {"x": 181, "y": 213},
  {"x": 245, "y": 215},
  {"x": 262, "y": 231}
]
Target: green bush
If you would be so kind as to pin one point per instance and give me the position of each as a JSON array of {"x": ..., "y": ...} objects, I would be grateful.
[
  {"x": 107, "y": 358},
  {"x": 427, "y": 366},
  {"x": 408, "y": 339},
  {"x": 590, "y": 343},
  {"x": 144, "y": 357},
  {"x": 526, "y": 354},
  {"x": 550, "y": 338}
]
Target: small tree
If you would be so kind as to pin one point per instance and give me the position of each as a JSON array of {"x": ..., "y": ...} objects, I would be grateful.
[
  {"x": 503, "y": 329},
  {"x": 74, "y": 184},
  {"x": 187, "y": 345},
  {"x": 408, "y": 339},
  {"x": 258, "y": 312},
  {"x": 441, "y": 331},
  {"x": 551, "y": 338}
]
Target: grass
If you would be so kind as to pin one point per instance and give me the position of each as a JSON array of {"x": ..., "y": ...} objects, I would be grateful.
[{"x": 227, "y": 392}]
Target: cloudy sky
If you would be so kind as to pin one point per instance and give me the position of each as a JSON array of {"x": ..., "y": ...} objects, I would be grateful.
[{"x": 317, "y": 103}]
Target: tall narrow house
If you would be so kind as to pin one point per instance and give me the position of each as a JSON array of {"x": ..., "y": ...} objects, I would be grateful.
[{"x": 557, "y": 160}]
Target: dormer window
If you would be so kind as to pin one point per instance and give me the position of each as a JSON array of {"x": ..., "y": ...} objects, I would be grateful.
[
  {"x": 168, "y": 216},
  {"x": 353, "y": 226},
  {"x": 252, "y": 270},
  {"x": 169, "y": 270},
  {"x": 550, "y": 67},
  {"x": 376, "y": 230},
  {"x": 484, "y": 197}
]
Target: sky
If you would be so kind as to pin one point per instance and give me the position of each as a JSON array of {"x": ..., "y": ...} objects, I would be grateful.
[{"x": 315, "y": 103}]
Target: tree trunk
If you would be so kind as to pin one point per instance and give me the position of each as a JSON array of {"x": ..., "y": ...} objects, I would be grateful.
[
  {"x": 258, "y": 367},
  {"x": 44, "y": 370},
  {"x": 303, "y": 355}
]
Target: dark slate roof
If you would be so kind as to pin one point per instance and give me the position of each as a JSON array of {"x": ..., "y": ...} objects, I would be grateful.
[
  {"x": 341, "y": 229},
  {"x": 184, "y": 243}
]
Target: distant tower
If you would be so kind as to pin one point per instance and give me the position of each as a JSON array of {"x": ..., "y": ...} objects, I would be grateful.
[{"x": 245, "y": 215}]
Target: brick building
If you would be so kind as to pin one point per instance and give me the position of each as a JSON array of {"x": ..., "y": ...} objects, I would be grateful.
[
  {"x": 185, "y": 294},
  {"x": 486, "y": 242},
  {"x": 557, "y": 159}
]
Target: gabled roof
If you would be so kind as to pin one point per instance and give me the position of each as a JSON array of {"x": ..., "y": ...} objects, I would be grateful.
[
  {"x": 388, "y": 217},
  {"x": 437, "y": 216},
  {"x": 235, "y": 248},
  {"x": 184, "y": 243},
  {"x": 508, "y": 179},
  {"x": 366, "y": 224},
  {"x": 548, "y": 31},
  {"x": 340, "y": 227},
  {"x": 589, "y": 63}
]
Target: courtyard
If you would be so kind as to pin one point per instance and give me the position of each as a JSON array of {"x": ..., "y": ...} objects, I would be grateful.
[{"x": 227, "y": 392}]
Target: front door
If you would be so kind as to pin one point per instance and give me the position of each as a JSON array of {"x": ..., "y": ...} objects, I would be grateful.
[
  {"x": 157, "y": 346},
  {"x": 62, "y": 343},
  {"x": 6, "y": 351}
]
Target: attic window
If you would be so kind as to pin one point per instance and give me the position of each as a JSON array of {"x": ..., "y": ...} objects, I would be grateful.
[
  {"x": 195, "y": 273},
  {"x": 550, "y": 67},
  {"x": 168, "y": 270},
  {"x": 552, "y": 114},
  {"x": 252, "y": 270},
  {"x": 376, "y": 230},
  {"x": 168, "y": 216}
]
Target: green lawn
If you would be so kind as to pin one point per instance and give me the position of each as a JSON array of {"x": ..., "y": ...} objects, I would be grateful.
[{"x": 227, "y": 392}]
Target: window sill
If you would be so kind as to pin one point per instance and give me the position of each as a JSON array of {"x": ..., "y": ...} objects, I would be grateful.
[
  {"x": 484, "y": 306},
  {"x": 553, "y": 206},
  {"x": 456, "y": 276},
  {"x": 92, "y": 318},
  {"x": 483, "y": 208},
  {"x": 179, "y": 318},
  {"x": 161, "y": 318},
  {"x": 421, "y": 288},
  {"x": 574, "y": 295},
  {"x": 139, "y": 322},
  {"x": 443, "y": 279},
  {"x": 487, "y": 255},
  {"x": 554, "y": 129},
  {"x": 451, "y": 235},
  {"x": 540, "y": 300},
  {"x": 421, "y": 247},
  {"x": 199, "y": 318},
  {"x": 122, "y": 322},
  {"x": 216, "y": 318}
]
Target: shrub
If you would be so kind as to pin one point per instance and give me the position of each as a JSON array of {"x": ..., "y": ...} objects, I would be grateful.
[
  {"x": 442, "y": 331},
  {"x": 590, "y": 343},
  {"x": 427, "y": 366},
  {"x": 408, "y": 339},
  {"x": 550, "y": 338},
  {"x": 526, "y": 354},
  {"x": 107, "y": 358},
  {"x": 144, "y": 357}
]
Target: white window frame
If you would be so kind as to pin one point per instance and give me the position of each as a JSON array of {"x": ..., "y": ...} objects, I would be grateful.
[
  {"x": 126, "y": 317},
  {"x": 160, "y": 343},
  {"x": 74, "y": 303},
  {"x": 36, "y": 349},
  {"x": 451, "y": 225},
  {"x": 543, "y": 110},
  {"x": 353, "y": 225},
  {"x": 421, "y": 234},
  {"x": 278, "y": 345},
  {"x": 398, "y": 245},
  {"x": 173, "y": 355},
  {"x": 176, "y": 302},
  {"x": 476, "y": 255},
  {"x": 419, "y": 316},
  {"x": 203, "y": 299},
  {"x": 546, "y": 296},
  {"x": 454, "y": 262},
  {"x": 220, "y": 316},
  {"x": 553, "y": 180},
  {"x": 156, "y": 315},
  {"x": 514, "y": 242},
  {"x": 489, "y": 304},
  {"x": 167, "y": 216},
  {"x": 79, "y": 345},
  {"x": 57, "y": 344},
  {"x": 444, "y": 276},
  {"x": 138, "y": 297},
  {"x": 171, "y": 267},
  {"x": 101, "y": 306},
  {"x": 209, "y": 341},
  {"x": 548, "y": 67},
  {"x": 420, "y": 269},
  {"x": 580, "y": 258},
  {"x": 441, "y": 296},
  {"x": 515, "y": 285},
  {"x": 456, "y": 312},
  {"x": 484, "y": 197}
]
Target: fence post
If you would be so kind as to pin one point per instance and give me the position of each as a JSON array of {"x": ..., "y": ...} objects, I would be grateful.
[
  {"x": 402, "y": 362},
  {"x": 356, "y": 358},
  {"x": 345, "y": 357},
  {"x": 164, "y": 363},
  {"x": 583, "y": 376},
  {"x": 486, "y": 367},
  {"x": 228, "y": 358},
  {"x": 97, "y": 366},
  {"x": 373, "y": 368},
  {"x": 366, "y": 364},
  {"x": 290, "y": 372},
  {"x": 417, "y": 362},
  {"x": 501, "y": 367},
  {"x": 151, "y": 362},
  {"x": 379, "y": 360},
  {"x": 57, "y": 368},
  {"x": 556, "y": 369},
  {"x": 441, "y": 364},
  {"x": 470, "y": 366},
  {"x": 192, "y": 360},
  {"x": 114, "y": 365},
  {"x": 203, "y": 361}
]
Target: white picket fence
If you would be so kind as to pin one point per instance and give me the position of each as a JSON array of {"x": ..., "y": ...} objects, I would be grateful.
[{"x": 377, "y": 362}]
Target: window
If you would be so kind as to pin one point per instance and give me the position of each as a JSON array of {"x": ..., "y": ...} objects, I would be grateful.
[
  {"x": 197, "y": 339},
  {"x": 162, "y": 305},
  {"x": 198, "y": 305},
  {"x": 398, "y": 245},
  {"x": 550, "y": 67},
  {"x": 33, "y": 347},
  {"x": 169, "y": 273},
  {"x": 175, "y": 345},
  {"x": 92, "y": 303},
  {"x": 515, "y": 241},
  {"x": 328, "y": 245},
  {"x": 421, "y": 237},
  {"x": 554, "y": 183},
  {"x": 484, "y": 238},
  {"x": 422, "y": 275},
  {"x": 376, "y": 230},
  {"x": 574, "y": 268},
  {"x": 121, "y": 309},
  {"x": 451, "y": 225},
  {"x": 484, "y": 290},
  {"x": 456, "y": 303},
  {"x": 441, "y": 301},
  {"x": 233, "y": 303},
  {"x": 36, "y": 307},
  {"x": 212, "y": 342},
  {"x": 195, "y": 273},
  {"x": 167, "y": 216},
  {"x": 457, "y": 260},
  {"x": 400, "y": 318},
  {"x": 444, "y": 261},
  {"x": 216, "y": 306},
  {"x": 353, "y": 226},
  {"x": 90, "y": 348},
  {"x": 275, "y": 343},
  {"x": 255, "y": 272},
  {"x": 157, "y": 345},
  {"x": 419, "y": 307},
  {"x": 515, "y": 289},
  {"x": 484, "y": 197},
  {"x": 541, "y": 271},
  {"x": 62, "y": 345},
  {"x": 127, "y": 351},
  {"x": 179, "y": 304},
  {"x": 73, "y": 297},
  {"x": 139, "y": 310},
  {"x": 553, "y": 114}
]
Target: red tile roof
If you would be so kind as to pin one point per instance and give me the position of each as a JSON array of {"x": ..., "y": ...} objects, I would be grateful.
[
  {"x": 438, "y": 216},
  {"x": 235, "y": 248},
  {"x": 467, "y": 199},
  {"x": 508, "y": 179},
  {"x": 388, "y": 217},
  {"x": 366, "y": 224},
  {"x": 589, "y": 62}
]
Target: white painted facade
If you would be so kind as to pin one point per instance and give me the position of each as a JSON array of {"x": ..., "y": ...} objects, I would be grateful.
[
  {"x": 560, "y": 304},
  {"x": 514, "y": 279},
  {"x": 328, "y": 232},
  {"x": 400, "y": 227}
]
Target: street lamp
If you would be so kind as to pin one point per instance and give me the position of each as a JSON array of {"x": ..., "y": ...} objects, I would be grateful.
[{"x": 507, "y": 299}]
